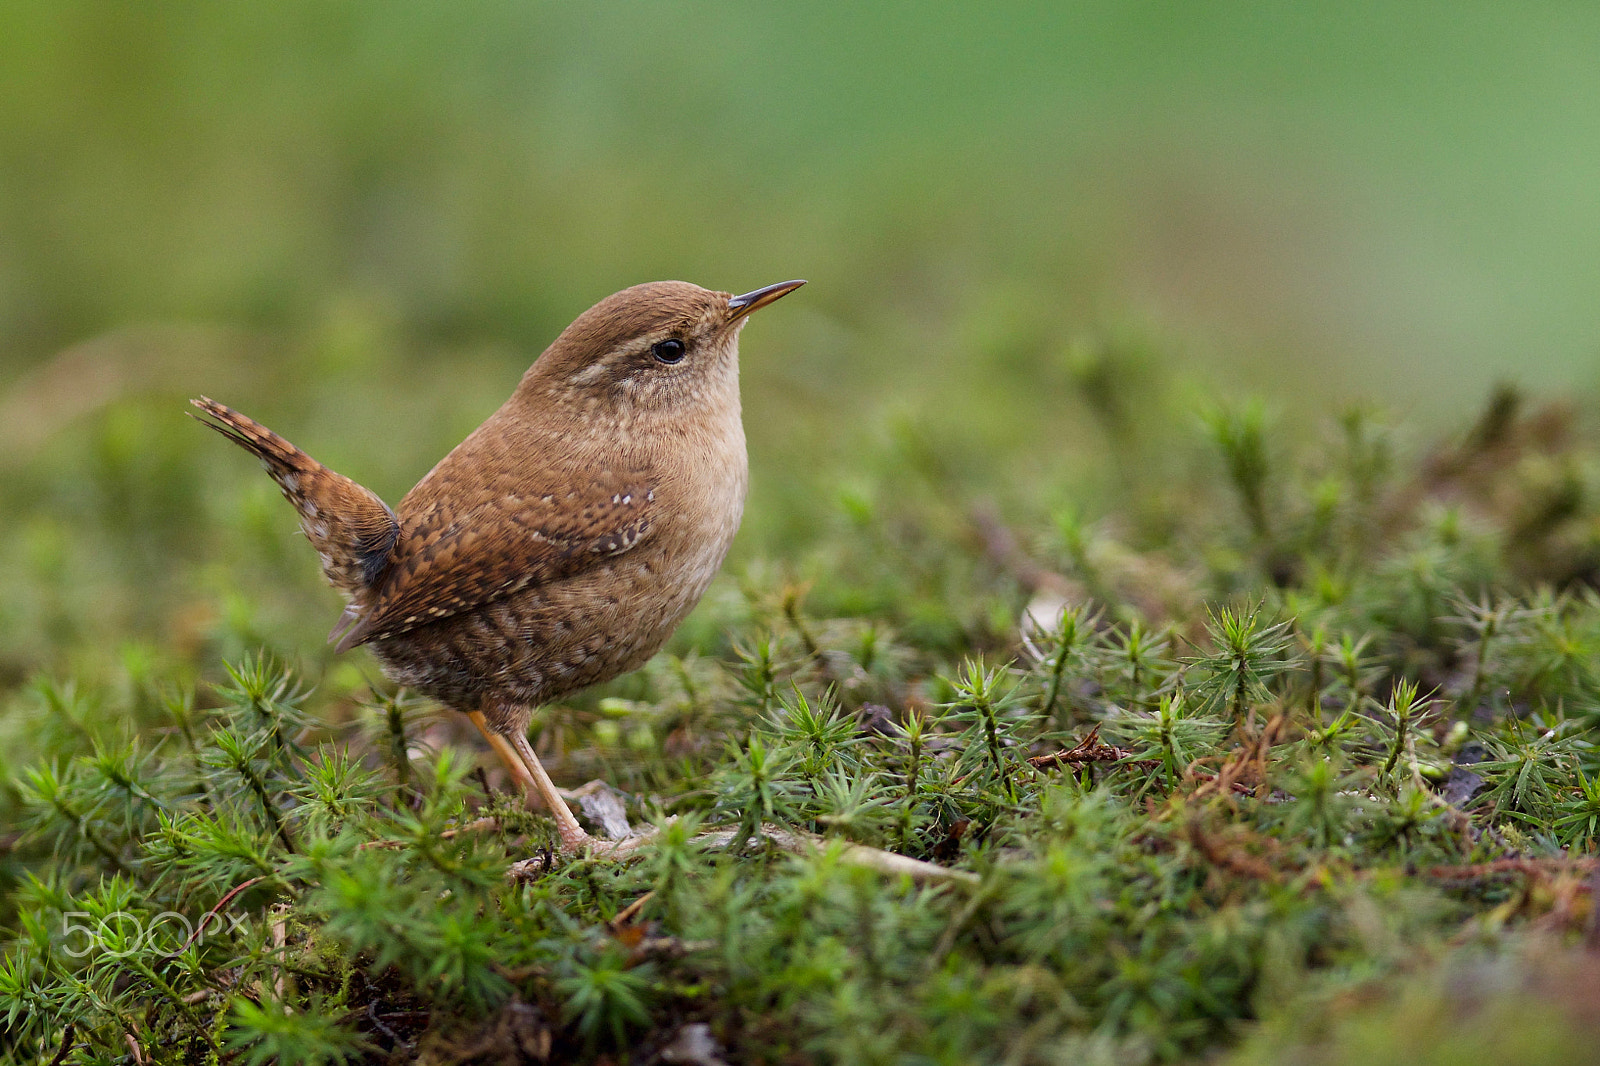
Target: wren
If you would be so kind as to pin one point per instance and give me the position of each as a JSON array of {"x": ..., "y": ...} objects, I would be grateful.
[{"x": 563, "y": 541}]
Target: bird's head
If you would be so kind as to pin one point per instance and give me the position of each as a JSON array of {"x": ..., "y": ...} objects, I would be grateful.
[{"x": 662, "y": 346}]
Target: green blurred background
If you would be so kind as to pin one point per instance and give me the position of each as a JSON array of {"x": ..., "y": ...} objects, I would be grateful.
[{"x": 360, "y": 221}]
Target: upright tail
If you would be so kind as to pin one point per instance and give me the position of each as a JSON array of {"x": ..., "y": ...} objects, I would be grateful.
[{"x": 352, "y": 530}]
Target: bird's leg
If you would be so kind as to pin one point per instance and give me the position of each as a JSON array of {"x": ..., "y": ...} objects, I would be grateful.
[
  {"x": 503, "y": 748},
  {"x": 572, "y": 835},
  {"x": 532, "y": 779}
]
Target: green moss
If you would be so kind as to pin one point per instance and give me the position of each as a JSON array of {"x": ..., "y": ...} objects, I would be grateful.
[{"x": 1262, "y": 812}]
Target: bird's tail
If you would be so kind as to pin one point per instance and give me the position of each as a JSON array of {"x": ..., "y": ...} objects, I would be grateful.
[{"x": 352, "y": 530}]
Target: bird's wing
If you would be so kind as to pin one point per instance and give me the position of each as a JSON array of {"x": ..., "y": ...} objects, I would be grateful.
[
  {"x": 449, "y": 563},
  {"x": 352, "y": 530}
]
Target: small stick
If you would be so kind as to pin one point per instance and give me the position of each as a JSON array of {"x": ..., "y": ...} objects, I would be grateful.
[
  {"x": 66, "y": 1045},
  {"x": 221, "y": 903},
  {"x": 794, "y": 841},
  {"x": 1088, "y": 750},
  {"x": 888, "y": 862},
  {"x": 280, "y": 937},
  {"x": 1209, "y": 779},
  {"x": 627, "y": 913},
  {"x": 372, "y": 1013}
]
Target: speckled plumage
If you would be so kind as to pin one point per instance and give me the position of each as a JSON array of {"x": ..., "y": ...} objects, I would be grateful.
[{"x": 563, "y": 541}]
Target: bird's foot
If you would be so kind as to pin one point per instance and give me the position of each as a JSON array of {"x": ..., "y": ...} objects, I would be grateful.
[
  {"x": 574, "y": 846},
  {"x": 602, "y": 848},
  {"x": 573, "y": 839}
]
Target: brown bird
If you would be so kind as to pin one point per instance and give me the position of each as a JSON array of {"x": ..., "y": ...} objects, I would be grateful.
[{"x": 563, "y": 541}]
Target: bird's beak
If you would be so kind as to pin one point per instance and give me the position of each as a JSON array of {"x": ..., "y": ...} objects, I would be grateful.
[{"x": 739, "y": 306}]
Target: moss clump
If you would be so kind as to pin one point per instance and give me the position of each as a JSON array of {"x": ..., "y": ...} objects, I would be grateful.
[{"x": 1328, "y": 736}]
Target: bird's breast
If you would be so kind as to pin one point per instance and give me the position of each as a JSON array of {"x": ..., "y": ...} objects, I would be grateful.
[{"x": 706, "y": 490}]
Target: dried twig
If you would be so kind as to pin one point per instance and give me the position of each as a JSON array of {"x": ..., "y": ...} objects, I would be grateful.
[
  {"x": 1247, "y": 761},
  {"x": 221, "y": 903},
  {"x": 791, "y": 840},
  {"x": 66, "y": 1045},
  {"x": 888, "y": 862},
  {"x": 1091, "y": 749},
  {"x": 627, "y": 914},
  {"x": 280, "y": 938},
  {"x": 1215, "y": 782}
]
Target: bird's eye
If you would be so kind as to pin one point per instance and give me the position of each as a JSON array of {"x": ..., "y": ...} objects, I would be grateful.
[{"x": 668, "y": 351}]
